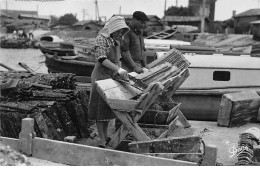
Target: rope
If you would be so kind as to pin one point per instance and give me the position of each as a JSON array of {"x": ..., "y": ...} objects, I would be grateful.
[{"x": 39, "y": 66}]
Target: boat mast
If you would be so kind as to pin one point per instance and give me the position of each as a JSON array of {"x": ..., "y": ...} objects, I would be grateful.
[
  {"x": 203, "y": 17},
  {"x": 6, "y": 6},
  {"x": 165, "y": 12},
  {"x": 97, "y": 11}
]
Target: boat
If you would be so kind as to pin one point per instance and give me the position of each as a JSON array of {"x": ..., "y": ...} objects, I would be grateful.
[
  {"x": 49, "y": 41},
  {"x": 18, "y": 43},
  {"x": 77, "y": 65},
  {"x": 57, "y": 51},
  {"x": 211, "y": 76},
  {"x": 85, "y": 48}
]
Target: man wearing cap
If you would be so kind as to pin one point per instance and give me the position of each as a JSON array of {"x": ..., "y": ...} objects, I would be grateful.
[{"x": 132, "y": 46}]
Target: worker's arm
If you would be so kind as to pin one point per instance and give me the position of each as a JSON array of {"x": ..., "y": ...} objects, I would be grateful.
[
  {"x": 114, "y": 67},
  {"x": 101, "y": 54},
  {"x": 126, "y": 55},
  {"x": 144, "y": 57},
  {"x": 129, "y": 61}
]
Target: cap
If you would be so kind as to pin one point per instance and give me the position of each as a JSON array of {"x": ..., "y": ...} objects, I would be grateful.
[{"x": 139, "y": 15}]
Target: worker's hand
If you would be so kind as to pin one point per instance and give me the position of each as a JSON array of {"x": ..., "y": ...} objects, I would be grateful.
[
  {"x": 148, "y": 67},
  {"x": 145, "y": 69},
  {"x": 123, "y": 73},
  {"x": 138, "y": 69}
]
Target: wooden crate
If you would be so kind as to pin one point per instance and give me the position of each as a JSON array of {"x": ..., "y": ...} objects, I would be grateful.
[
  {"x": 238, "y": 108},
  {"x": 118, "y": 95}
]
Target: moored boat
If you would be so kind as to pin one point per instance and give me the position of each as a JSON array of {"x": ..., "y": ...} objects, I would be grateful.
[
  {"x": 19, "y": 43},
  {"x": 85, "y": 48},
  {"x": 211, "y": 76},
  {"x": 57, "y": 51},
  {"x": 50, "y": 41},
  {"x": 69, "y": 64}
]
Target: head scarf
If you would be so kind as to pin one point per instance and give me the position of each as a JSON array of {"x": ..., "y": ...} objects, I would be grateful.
[{"x": 114, "y": 24}]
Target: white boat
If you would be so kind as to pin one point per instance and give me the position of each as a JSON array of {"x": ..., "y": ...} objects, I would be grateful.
[
  {"x": 162, "y": 44},
  {"x": 157, "y": 45},
  {"x": 50, "y": 41},
  {"x": 211, "y": 76}
]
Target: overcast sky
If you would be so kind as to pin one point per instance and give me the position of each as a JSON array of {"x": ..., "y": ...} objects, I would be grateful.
[{"x": 107, "y": 8}]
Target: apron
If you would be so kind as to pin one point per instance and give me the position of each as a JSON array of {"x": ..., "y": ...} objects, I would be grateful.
[{"x": 98, "y": 109}]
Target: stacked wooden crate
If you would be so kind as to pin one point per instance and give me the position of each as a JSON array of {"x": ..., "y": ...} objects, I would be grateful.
[{"x": 58, "y": 111}]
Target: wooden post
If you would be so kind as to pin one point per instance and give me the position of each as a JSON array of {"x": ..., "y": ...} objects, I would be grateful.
[
  {"x": 237, "y": 108},
  {"x": 210, "y": 158},
  {"x": 256, "y": 157},
  {"x": 26, "y": 136},
  {"x": 203, "y": 16},
  {"x": 258, "y": 115},
  {"x": 189, "y": 144}
]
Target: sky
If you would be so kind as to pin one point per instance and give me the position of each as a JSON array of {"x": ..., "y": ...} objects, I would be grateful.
[{"x": 107, "y": 8}]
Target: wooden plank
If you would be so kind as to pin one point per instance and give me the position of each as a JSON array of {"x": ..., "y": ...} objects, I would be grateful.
[
  {"x": 190, "y": 144},
  {"x": 123, "y": 131},
  {"x": 151, "y": 71},
  {"x": 183, "y": 119},
  {"x": 183, "y": 76},
  {"x": 81, "y": 155},
  {"x": 169, "y": 74},
  {"x": 84, "y": 79},
  {"x": 210, "y": 157},
  {"x": 127, "y": 120},
  {"x": 256, "y": 156},
  {"x": 118, "y": 137},
  {"x": 238, "y": 108},
  {"x": 171, "y": 128},
  {"x": 26, "y": 136},
  {"x": 110, "y": 84},
  {"x": 223, "y": 116},
  {"x": 191, "y": 157},
  {"x": 156, "y": 117},
  {"x": 258, "y": 115},
  {"x": 12, "y": 142},
  {"x": 117, "y": 94},
  {"x": 173, "y": 112},
  {"x": 152, "y": 95}
]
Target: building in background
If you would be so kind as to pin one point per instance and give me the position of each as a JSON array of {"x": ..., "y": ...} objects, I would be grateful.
[
  {"x": 153, "y": 25},
  {"x": 15, "y": 13},
  {"x": 242, "y": 21},
  {"x": 197, "y": 8},
  {"x": 39, "y": 20},
  {"x": 209, "y": 11},
  {"x": 255, "y": 29},
  {"x": 87, "y": 25},
  {"x": 5, "y": 19},
  {"x": 187, "y": 20}
]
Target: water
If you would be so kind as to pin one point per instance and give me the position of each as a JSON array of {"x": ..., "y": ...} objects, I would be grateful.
[{"x": 32, "y": 57}]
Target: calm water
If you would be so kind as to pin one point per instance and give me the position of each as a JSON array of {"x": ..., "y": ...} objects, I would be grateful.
[{"x": 32, "y": 57}]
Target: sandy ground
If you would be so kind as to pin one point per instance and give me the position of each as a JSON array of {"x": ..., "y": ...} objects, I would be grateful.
[{"x": 221, "y": 137}]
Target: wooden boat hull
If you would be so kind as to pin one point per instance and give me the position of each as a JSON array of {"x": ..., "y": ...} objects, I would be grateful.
[
  {"x": 78, "y": 67},
  {"x": 20, "y": 43},
  {"x": 203, "y": 104},
  {"x": 57, "y": 51}
]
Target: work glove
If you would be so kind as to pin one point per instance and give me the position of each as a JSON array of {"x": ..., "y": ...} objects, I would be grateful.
[
  {"x": 138, "y": 69},
  {"x": 123, "y": 73},
  {"x": 145, "y": 69},
  {"x": 148, "y": 67}
]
